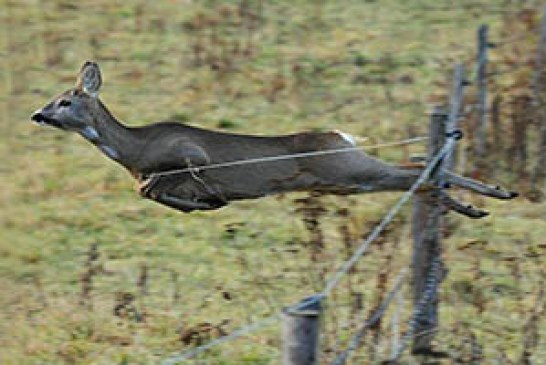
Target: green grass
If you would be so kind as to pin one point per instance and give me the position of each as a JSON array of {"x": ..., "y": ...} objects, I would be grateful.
[{"x": 243, "y": 262}]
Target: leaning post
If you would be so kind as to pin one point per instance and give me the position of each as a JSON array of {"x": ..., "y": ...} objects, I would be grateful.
[
  {"x": 427, "y": 249},
  {"x": 455, "y": 108},
  {"x": 481, "y": 80},
  {"x": 300, "y": 332}
]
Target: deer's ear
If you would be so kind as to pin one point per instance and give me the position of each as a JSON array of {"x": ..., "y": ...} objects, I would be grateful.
[{"x": 89, "y": 78}]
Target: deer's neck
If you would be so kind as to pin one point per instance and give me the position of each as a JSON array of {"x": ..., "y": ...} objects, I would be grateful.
[{"x": 115, "y": 140}]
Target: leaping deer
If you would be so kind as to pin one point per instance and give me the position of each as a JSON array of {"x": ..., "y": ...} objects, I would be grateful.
[{"x": 166, "y": 157}]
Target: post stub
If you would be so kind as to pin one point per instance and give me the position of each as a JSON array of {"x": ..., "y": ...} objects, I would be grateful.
[{"x": 300, "y": 332}]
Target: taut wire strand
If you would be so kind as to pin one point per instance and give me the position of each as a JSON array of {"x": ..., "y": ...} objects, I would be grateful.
[{"x": 286, "y": 157}]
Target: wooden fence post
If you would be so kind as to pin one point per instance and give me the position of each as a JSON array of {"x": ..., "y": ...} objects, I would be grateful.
[
  {"x": 300, "y": 332},
  {"x": 481, "y": 79},
  {"x": 427, "y": 246},
  {"x": 455, "y": 107},
  {"x": 427, "y": 220}
]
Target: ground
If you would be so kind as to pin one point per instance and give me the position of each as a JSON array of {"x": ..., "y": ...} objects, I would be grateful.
[{"x": 91, "y": 273}]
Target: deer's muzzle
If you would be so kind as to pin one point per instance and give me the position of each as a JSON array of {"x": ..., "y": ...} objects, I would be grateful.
[{"x": 41, "y": 119}]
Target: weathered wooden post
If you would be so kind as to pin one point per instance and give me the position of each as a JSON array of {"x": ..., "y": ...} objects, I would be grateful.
[
  {"x": 427, "y": 248},
  {"x": 427, "y": 244},
  {"x": 481, "y": 80},
  {"x": 455, "y": 106},
  {"x": 300, "y": 332}
]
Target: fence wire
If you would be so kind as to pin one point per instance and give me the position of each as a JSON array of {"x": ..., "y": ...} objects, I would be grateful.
[{"x": 292, "y": 156}]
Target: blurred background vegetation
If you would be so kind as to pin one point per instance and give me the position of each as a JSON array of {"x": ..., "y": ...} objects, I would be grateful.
[{"x": 90, "y": 273}]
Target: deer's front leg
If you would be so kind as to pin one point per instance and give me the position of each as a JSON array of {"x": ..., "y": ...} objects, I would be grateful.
[
  {"x": 181, "y": 192},
  {"x": 185, "y": 205},
  {"x": 146, "y": 186},
  {"x": 175, "y": 192}
]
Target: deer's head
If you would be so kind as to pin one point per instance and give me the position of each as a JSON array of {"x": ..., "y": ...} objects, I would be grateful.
[{"x": 75, "y": 109}]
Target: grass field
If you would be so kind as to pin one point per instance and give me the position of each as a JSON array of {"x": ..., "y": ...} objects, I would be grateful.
[{"x": 92, "y": 274}]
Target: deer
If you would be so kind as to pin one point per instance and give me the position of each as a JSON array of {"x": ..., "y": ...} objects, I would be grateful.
[{"x": 189, "y": 168}]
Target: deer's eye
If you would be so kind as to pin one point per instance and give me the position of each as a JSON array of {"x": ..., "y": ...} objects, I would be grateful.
[{"x": 64, "y": 102}]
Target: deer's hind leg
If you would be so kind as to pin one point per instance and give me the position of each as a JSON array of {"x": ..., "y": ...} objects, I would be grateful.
[
  {"x": 479, "y": 187},
  {"x": 355, "y": 172}
]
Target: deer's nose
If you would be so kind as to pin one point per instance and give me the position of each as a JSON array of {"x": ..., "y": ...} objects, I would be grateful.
[{"x": 38, "y": 117}]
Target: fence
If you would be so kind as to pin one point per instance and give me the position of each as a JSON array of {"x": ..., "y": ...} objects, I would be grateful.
[{"x": 301, "y": 321}]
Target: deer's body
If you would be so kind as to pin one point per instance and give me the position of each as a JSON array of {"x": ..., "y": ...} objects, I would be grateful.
[
  {"x": 152, "y": 152},
  {"x": 167, "y": 146}
]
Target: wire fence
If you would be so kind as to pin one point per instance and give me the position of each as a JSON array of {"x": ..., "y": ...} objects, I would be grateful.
[{"x": 345, "y": 267}]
